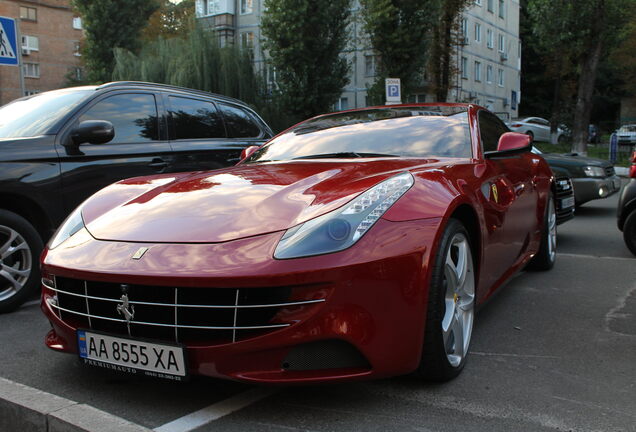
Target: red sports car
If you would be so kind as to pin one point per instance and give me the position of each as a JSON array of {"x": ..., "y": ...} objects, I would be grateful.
[{"x": 353, "y": 245}]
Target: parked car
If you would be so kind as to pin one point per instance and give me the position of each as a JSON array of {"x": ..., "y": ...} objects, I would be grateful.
[
  {"x": 536, "y": 128},
  {"x": 354, "y": 245},
  {"x": 592, "y": 178},
  {"x": 59, "y": 147},
  {"x": 564, "y": 195},
  {"x": 626, "y": 215},
  {"x": 626, "y": 134}
]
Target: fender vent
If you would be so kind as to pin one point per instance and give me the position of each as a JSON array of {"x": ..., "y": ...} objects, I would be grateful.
[{"x": 328, "y": 354}]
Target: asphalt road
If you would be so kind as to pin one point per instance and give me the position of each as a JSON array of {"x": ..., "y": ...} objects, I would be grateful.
[{"x": 554, "y": 351}]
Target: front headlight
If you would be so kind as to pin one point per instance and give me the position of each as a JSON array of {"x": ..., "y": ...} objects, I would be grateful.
[
  {"x": 70, "y": 226},
  {"x": 341, "y": 228},
  {"x": 594, "y": 171}
]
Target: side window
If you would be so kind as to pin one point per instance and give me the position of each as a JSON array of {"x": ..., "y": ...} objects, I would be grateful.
[
  {"x": 193, "y": 118},
  {"x": 239, "y": 122},
  {"x": 134, "y": 117},
  {"x": 491, "y": 128}
]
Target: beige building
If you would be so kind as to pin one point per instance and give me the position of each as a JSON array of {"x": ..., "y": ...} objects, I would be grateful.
[
  {"x": 49, "y": 47},
  {"x": 488, "y": 58}
]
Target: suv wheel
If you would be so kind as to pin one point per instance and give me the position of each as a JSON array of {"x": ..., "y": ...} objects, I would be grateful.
[{"x": 20, "y": 247}]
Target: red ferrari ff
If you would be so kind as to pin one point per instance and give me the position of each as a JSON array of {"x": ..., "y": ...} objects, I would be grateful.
[{"x": 353, "y": 245}]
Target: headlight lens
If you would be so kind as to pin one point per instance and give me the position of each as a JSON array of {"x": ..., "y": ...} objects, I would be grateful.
[
  {"x": 70, "y": 226},
  {"x": 594, "y": 171},
  {"x": 341, "y": 228}
]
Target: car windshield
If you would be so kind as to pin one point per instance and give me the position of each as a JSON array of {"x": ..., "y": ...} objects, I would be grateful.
[
  {"x": 628, "y": 128},
  {"x": 419, "y": 131},
  {"x": 35, "y": 115}
]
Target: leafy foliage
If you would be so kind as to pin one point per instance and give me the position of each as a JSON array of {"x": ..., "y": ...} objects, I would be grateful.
[
  {"x": 305, "y": 39},
  {"x": 399, "y": 31},
  {"x": 110, "y": 24},
  {"x": 170, "y": 20}
]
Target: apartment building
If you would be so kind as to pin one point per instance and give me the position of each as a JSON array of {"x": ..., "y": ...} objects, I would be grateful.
[
  {"x": 487, "y": 57},
  {"x": 49, "y": 47}
]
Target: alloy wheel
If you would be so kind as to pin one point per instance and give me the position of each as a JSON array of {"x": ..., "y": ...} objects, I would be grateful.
[
  {"x": 15, "y": 262},
  {"x": 552, "y": 230}
]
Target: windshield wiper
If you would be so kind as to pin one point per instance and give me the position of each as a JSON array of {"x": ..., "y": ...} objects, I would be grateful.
[{"x": 344, "y": 155}]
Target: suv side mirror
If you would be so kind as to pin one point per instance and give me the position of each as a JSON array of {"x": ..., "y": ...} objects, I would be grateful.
[
  {"x": 512, "y": 143},
  {"x": 93, "y": 132},
  {"x": 248, "y": 151}
]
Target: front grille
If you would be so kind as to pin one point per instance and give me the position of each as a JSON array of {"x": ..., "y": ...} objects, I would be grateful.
[
  {"x": 181, "y": 314},
  {"x": 609, "y": 171},
  {"x": 564, "y": 190}
]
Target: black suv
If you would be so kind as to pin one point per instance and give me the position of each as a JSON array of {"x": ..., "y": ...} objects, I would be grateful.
[{"x": 59, "y": 147}]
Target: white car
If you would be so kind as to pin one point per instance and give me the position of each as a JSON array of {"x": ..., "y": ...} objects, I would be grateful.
[
  {"x": 627, "y": 134},
  {"x": 536, "y": 127}
]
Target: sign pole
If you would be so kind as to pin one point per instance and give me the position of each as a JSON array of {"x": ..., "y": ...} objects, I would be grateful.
[{"x": 19, "y": 55}]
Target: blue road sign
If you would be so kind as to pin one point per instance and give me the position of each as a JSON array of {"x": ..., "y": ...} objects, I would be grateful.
[
  {"x": 394, "y": 90},
  {"x": 613, "y": 147},
  {"x": 8, "y": 42}
]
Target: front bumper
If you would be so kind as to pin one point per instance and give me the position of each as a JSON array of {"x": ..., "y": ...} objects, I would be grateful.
[
  {"x": 375, "y": 300},
  {"x": 589, "y": 188}
]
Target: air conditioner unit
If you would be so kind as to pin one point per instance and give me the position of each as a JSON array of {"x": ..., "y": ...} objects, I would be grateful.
[
  {"x": 505, "y": 102},
  {"x": 472, "y": 94},
  {"x": 504, "y": 56},
  {"x": 463, "y": 40},
  {"x": 26, "y": 51}
]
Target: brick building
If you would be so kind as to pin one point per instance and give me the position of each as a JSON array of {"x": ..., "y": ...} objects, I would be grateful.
[{"x": 50, "y": 44}]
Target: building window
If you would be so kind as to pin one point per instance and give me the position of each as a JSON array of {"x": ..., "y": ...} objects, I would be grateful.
[
  {"x": 490, "y": 38},
  {"x": 31, "y": 70},
  {"x": 477, "y": 71},
  {"x": 370, "y": 65},
  {"x": 478, "y": 2},
  {"x": 501, "y": 45},
  {"x": 491, "y": 6},
  {"x": 31, "y": 92},
  {"x": 502, "y": 9},
  {"x": 489, "y": 74},
  {"x": 77, "y": 23},
  {"x": 28, "y": 13},
  {"x": 464, "y": 68},
  {"x": 77, "y": 73},
  {"x": 77, "y": 49},
  {"x": 342, "y": 104},
  {"x": 30, "y": 43},
  {"x": 247, "y": 6},
  {"x": 464, "y": 31},
  {"x": 477, "y": 32},
  {"x": 247, "y": 39},
  {"x": 500, "y": 77}
]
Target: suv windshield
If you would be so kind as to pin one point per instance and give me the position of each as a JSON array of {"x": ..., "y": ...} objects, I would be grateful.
[
  {"x": 35, "y": 115},
  {"x": 418, "y": 131}
]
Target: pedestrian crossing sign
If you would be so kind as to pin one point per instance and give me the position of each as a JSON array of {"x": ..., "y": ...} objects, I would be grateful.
[{"x": 8, "y": 42}]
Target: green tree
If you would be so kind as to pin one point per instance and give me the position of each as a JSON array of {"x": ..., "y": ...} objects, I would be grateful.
[
  {"x": 305, "y": 39},
  {"x": 577, "y": 34},
  {"x": 110, "y": 24},
  {"x": 399, "y": 31},
  {"x": 170, "y": 20},
  {"x": 445, "y": 38}
]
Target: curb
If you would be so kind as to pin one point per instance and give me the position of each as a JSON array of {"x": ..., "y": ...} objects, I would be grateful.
[{"x": 26, "y": 409}]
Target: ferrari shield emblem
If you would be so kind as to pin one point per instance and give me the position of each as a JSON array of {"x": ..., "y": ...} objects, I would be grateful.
[{"x": 495, "y": 193}]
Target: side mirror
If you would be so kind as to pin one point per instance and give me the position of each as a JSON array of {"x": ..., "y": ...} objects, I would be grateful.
[
  {"x": 93, "y": 132},
  {"x": 248, "y": 151},
  {"x": 512, "y": 143}
]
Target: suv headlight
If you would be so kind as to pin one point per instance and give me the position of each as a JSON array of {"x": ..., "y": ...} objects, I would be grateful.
[
  {"x": 594, "y": 171},
  {"x": 341, "y": 228},
  {"x": 69, "y": 227}
]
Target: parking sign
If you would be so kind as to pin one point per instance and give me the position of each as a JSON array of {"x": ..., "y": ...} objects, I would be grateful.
[
  {"x": 8, "y": 42},
  {"x": 393, "y": 91}
]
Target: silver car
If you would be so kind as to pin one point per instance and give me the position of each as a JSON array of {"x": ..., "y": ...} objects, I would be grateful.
[
  {"x": 536, "y": 127},
  {"x": 627, "y": 134}
]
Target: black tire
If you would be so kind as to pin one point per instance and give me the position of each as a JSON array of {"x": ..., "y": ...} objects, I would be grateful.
[
  {"x": 546, "y": 257},
  {"x": 629, "y": 232},
  {"x": 435, "y": 364},
  {"x": 20, "y": 247}
]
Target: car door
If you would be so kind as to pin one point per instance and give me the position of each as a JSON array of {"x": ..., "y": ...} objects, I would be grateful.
[
  {"x": 202, "y": 134},
  {"x": 140, "y": 146},
  {"x": 510, "y": 202}
]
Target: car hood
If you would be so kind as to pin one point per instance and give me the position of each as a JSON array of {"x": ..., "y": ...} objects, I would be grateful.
[
  {"x": 569, "y": 160},
  {"x": 223, "y": 205}
]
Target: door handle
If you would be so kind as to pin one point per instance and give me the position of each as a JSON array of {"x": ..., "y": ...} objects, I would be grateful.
[{"x": 158, "y": 164}]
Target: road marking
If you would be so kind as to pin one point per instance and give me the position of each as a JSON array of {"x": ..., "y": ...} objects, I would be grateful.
[
  {"x": 512, "y": 355},
  {"x": 570, "y": 255},
  {"x": 216, "y": 411}
]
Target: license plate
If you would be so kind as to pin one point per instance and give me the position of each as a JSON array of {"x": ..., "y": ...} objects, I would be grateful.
[
  {"x": 132, "y": 355},
  {"x": 567, "y": 202}
]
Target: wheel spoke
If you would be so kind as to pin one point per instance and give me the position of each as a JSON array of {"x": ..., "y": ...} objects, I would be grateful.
[
  {"x": 9, "y": 277},
  {"x": 7, "y": 245},
  {"x": 16, "y": 272},
  {"x": 458, "y": 332},
  {"x": 11, "y": 250}
]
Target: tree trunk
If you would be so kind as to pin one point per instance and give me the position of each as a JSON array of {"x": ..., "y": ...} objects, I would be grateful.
[
  {"x": 554, "y": 120},
  {"x": 584, "y": 99}
]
